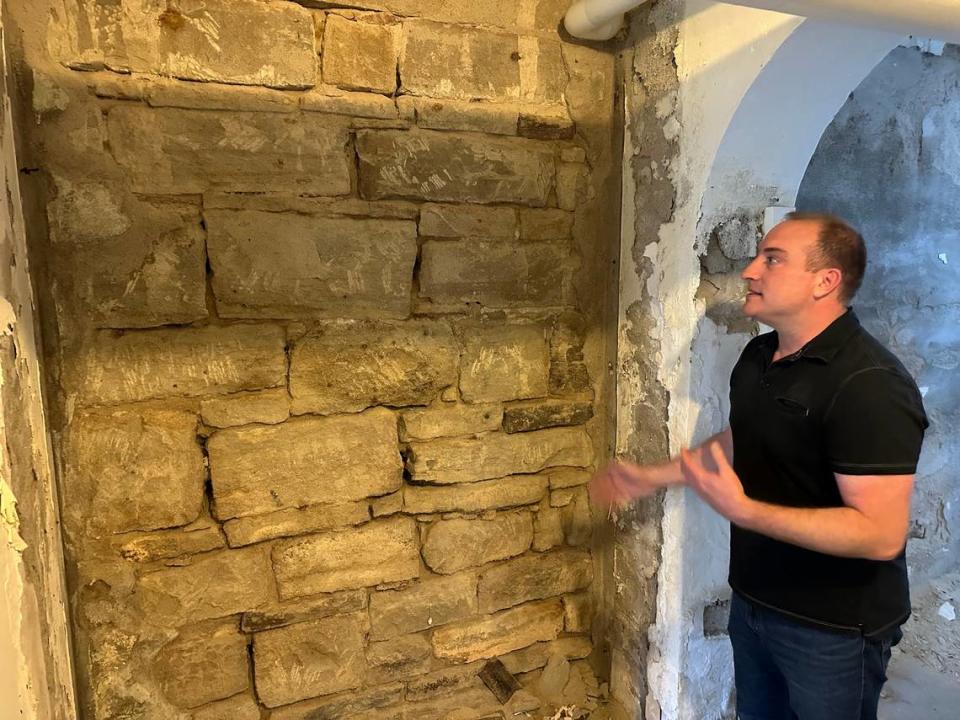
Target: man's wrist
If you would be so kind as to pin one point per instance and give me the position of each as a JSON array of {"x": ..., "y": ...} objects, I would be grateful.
[{"x": 746, "y": 513}]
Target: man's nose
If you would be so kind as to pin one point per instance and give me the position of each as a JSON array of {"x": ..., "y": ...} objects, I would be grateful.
[{"x": 750, "y": 271}]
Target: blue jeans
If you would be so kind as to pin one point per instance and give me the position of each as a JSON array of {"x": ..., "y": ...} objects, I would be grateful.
[{"x": 786, "y": 670}]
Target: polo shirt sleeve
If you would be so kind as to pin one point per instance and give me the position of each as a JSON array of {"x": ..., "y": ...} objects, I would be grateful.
[{"x": 875, "y": 424}]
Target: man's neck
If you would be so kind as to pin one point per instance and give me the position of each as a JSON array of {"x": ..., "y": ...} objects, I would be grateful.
[{"x": 793, "y": 336}]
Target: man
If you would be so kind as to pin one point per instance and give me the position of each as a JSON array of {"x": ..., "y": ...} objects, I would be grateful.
[{"x": 814, "y": 473}]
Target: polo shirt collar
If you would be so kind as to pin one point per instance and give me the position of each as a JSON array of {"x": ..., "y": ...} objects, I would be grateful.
[{"x": 828, "y": 343}]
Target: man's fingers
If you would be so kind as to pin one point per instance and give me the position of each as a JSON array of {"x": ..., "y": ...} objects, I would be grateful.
[{"x": 719, "y": 456}]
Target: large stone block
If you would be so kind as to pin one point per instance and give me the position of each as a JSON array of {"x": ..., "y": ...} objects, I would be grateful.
[
  {"x": 539, "y": 414},
  {"x": 290, "y": 612},
  {"x": 126, "y": 470},
  {"x": 268, "y": 407},
  {"x": 208, "y": 586},
  {"x": 450, "y": 420},
  {"x": 504, "y": 362},
  {"x": 125, "y": 262},
  {"x": 309, "y": 659},
  {"x": 230, "y": 41},
  {"x": 381, "y": 551},
  {"x": 190, "y": 151},
  {"x": 361, "y": 54},
  {"x": 448, "y": 167},
  {"x": 269, "y": 264},
  {"x": 307, "y": 461},
  {"x": 476, "y": 496},
  {"x": 496, "y": 455},
  {"x": 453, "y": 545},
  {"x": 347, "y": 367},
  {"x": 203, "y": 664},
  {"x": 494, "y": 274},
  {"x": 294, "y": 521},
  {"x": 199, "y": 537},
  {"x": 239, "y": 707},
  {"x": 462, "y": 221},
  {"x": 534, "y": 577},
  {"x": 449, "y": 61},
  {"x": 498, "y": 634},
  {"x": 342, "y": 705},
  {"x": 465, "y": 115},
  {"x": 426, "y": 604},
  {"x": 399, "y": 658},
  {"x": 187, "y": 362}
]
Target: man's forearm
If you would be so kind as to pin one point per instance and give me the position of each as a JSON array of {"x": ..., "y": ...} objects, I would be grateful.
[
  {"x": 669, "y": 473},
  {"x": 842, "y": 531}
]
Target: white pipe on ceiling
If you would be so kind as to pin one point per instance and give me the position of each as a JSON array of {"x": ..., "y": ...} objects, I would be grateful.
[{"x": 937, "y": 19}]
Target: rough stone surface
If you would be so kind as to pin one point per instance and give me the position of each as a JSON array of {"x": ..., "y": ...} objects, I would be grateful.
[
  {"x": 399, "y": 658},
  {"x": 191, "y": 151},
  {"x": 453, "y": 545},
  {"x": 387, "y": 505},
  {"x": 537, "y": 655},
  {"x": 449, "y": 167},
  {"x": 523, "y": 417},
  {"x": 534, "y": 577},
  {"x": 230, "y": 41},
  {"x": 203, "y": 664},
  {"x": 381, "y": 551},
  {"x": 462, "y": 221},
  {"x": 131, "y": 470},
  {"x": 352, "y": 366},
  {"x": 547, "y": 528},
  {"x": 496, "y": 455},
  {"x": 186, "y": 362},
  {"x": 545, "y": 224},
  {"x": 195, "y": 538},
  {"x": 306, "y": 461},
  {"x": 296, "y": 611},
  {"x": 501, "y": 633},
  {"x": 578, "y": 611},
  {"x": 268, "y": 407},
  {"x": 294, "y": 521},
  {"x": 450, "y": 420},
  {"x": 268, "y": 264},
  {"x": 239, "y": 707},
  {"x": 342, "y": 705},
  {"x": 430, "y": 603},
  {"x": 132, "y": 263},
  {"x": 494, "y": 274},
  {"x": 309, "y": 659},
  {"x": 493, "y": 118},
  {"x": 567, "y": 477},
  {"x": 474, "y": 703},
  {"x": 361, "y": 54},
  {"x": 476, "y": 496},
  {"x": 210, "y": 586},
  {"x": 505, "y": 362},
  {"x": 577, "y": 523}
]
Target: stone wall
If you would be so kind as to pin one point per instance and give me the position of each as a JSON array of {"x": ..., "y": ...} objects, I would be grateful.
[{"x": 325, "y": 297}]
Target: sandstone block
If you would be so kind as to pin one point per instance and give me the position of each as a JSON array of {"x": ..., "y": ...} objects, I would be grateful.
[
  {"x": 203, "y": 664},
  {"x": 127, "y": 470},
  {"x": 312, "y": 608},
  {"x": 539, "y": 654},
  {"x": 460, "y": 221},
  {"x": 127, "y": 262},
  {"x": 500, "y": 633},
  {"x": 307, "y": 461},
  {"x": 314, "y": 658},
  {"x": 239, "y": 707},
  {"x": 545, "y": 224},
  {"x": 361, "y": 54},
  {"x": 577, "y": 523},
  {"x": 294, "y": 521},
  {"x": 547, "y": 528},
  {"x": 196, "y": 538},
  {"x": 387, "y": 505},
  {"x": 453, "y": 545},
  {"x": 210, "y": 586},
  {"x": 293, "y": 265},
  {"x": 577, "y": 612},
  {"x": 449, "y": 61},
  {"x": 475, "y": 702},
  {"x": 342, "y": 705},
  {"x": 358, "y": 106},
  {"x": 324, "y": 206},
  {"x": 203, "y": 96},
  {"x": 268, "y": 407},
  {"x": 546, "y": 123},
  {"x": 381, "y": 551},
  {"x": 190, "y": 151},
  {"x": 539, "y": 414},
  {"x": 474, "y": 168},
  {"x": 543, "y": 72},
  {"x": 491, "y": 118},
  {"x": 184, "y": 362},
  {"x": 504, "y": 362},
  {"x": 430, "y": 603},
  {"x": 450, "y": 420},
  {"x": 534, "y": 577},
  {"x": 571, "y": 183},
  {"x": 505, "y": 492},
  {"x": 347, "y": 367},
  {"x": 561, "y": 477},
  {"x": 494, "y": 274},
  {"x": 496, "y": 455},
  {"x": 399, "y": 658}
]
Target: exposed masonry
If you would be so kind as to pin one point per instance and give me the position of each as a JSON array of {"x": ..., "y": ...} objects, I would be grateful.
[{"x": 324, "y": 346}]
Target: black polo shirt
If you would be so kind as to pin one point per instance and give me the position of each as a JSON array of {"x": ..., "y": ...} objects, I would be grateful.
[{"x": 842, "y": 404}]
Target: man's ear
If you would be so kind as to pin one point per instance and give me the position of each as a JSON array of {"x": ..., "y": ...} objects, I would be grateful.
[{"x": 828, "y": 281}]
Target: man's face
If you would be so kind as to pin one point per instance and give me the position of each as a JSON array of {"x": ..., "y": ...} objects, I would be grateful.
[{"x": 779, "y": 286}]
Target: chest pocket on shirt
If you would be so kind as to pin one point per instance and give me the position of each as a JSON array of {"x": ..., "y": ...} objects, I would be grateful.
[{"x": 793, "y": 407}]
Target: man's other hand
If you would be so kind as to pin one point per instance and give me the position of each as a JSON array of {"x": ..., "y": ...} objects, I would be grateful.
[{"x": 619, "y": 483}]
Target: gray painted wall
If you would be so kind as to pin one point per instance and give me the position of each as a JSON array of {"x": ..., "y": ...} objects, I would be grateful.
[{"x": 890, "y": 164}]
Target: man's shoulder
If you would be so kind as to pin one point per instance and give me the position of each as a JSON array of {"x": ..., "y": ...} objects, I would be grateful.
[{"x": 864, "y": 352}]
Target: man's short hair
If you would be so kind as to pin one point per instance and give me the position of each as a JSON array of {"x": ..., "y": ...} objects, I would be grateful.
[{"x": 838, "y": 246}]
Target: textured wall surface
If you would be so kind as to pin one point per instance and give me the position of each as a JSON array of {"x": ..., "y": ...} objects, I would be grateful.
[
  {"x": 324, "y": 295},
  {"x": 890, "y": 163}
]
